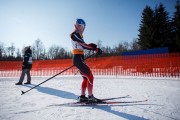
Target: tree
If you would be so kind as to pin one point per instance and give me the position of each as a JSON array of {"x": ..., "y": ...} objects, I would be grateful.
[
  {"x": 57, "y": 52},
  {"x": 155, "y": 28},
  {"x": 61, "y": 53},
  {"x": 176, "y": 28},
  {"x": 146, "y": 31},
  {"x": 11, "y": 50},
  {"x": 99, "y": 44},
  {"x": 134, "y": 46},
  {"x": 38, "y": 50},
  {"x": 1, "y": 50},
  {"x": 122, "y": 47},
  {"x": 18, "y": 55},
  {"x": 162, "y": 28}
]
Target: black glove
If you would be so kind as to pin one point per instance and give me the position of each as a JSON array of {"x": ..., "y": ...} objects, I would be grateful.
[
  {"x": 94, "y": 46},
  {"x": 99, "y": 51}
]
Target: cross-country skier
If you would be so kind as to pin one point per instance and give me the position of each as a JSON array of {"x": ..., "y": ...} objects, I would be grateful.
[
  {"x": 79, "y": 45},
  {"x": 26, "y": 66}
]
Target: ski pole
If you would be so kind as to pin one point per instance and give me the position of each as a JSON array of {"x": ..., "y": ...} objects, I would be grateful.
[{"x": 23, "y": 92}]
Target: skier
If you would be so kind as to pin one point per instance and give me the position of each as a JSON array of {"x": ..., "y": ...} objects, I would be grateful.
[
  {"x": 26, "y": 66},
  {"x": 79, "y": 45}
]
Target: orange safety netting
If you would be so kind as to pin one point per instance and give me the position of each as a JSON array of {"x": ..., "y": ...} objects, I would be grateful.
[{"x": 152, "y": 65}]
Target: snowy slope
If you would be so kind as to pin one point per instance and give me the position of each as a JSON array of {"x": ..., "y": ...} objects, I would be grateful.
[{"x": 163, "y": 99}]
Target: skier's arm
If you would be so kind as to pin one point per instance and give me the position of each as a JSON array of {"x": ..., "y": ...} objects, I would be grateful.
[
  {"x": 74, "y": 37},
  {"x": 25, "y": 61}
]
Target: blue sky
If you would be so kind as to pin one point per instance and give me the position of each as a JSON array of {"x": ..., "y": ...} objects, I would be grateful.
[{"x": 111, "y": 21}]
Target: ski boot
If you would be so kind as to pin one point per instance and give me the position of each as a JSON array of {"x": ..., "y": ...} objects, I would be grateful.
[
  {"x": 92, "y": 99},
  {"x": 28, "y": 82},
  {"x": 82, "y": 98},
  {"x": 19, "y": 83}
]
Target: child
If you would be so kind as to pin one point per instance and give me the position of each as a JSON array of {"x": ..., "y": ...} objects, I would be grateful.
[{"x": 79, "y": 45}]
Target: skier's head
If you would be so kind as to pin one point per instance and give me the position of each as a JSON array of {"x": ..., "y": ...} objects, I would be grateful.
[{"x": 80, "y": 25}]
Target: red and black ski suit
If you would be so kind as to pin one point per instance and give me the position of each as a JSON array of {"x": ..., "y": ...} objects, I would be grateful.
[{"x": 79, "y": 45}]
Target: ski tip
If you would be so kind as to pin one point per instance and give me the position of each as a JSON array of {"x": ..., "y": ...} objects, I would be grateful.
[
  {"x": 22, "y": 92},
  {"x": 128, "y": 96}
]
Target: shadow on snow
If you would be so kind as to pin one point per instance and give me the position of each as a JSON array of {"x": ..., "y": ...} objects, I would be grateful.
[{"x": 54, "y": 92}]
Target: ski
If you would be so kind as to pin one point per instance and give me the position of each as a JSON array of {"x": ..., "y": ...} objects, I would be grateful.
[
  {"x": 105, "y": 99},
  {"x": 100, "y": 103},
  {"x": 118, "y": 102},
  {"x": 113, "y": 98}
]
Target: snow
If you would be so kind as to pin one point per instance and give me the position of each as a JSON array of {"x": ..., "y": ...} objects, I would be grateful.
[{"x": 163, "y": 96}]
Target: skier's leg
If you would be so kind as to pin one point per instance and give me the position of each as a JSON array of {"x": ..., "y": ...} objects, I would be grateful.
[
  {"x": 28, "y": 75},
  {"x": 83, "y": 97},
  {"x": 78, "y": 61},
  {"x": 83, "y": 86},
  {"x": 89, "y": 82},
  {"x": 22, "y": 76}
]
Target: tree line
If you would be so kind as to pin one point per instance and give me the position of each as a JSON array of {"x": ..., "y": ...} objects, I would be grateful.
[
  {"x": 39, "y": 52},
  {"x": 156, "y": 30},
  {"x": 57, "y": 52}
]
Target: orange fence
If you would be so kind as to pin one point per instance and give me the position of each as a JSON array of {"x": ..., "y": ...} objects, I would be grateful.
[{"x": 152, "y": 65}]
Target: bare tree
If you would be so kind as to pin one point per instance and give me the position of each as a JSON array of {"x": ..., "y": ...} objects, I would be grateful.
[
  {"x": 1, "y": 50},
  {"x": 11, "y": 50},
  {"x": 57, "y": 52},
  {"x": 99, "y": 44},
  {"x": 38, "y": 50},
  {"x": 122, "y": 47},
  {"x": 53, "y": 51},
  {"x": 18, "y": 54},
  {"x": 134, "y": 45}
]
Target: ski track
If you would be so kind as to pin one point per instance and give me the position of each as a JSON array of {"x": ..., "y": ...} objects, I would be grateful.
[{"x": 163, "y": 99}]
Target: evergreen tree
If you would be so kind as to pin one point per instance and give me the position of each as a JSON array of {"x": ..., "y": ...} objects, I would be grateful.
[
  {"x": 162, "y": 28},
  {"x": 155, "y": 28},
  {"x": 146, "y": 34},
  {"x": 176, "y": 28}
]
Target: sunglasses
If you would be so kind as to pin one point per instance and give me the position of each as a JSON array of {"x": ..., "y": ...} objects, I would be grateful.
[{"x": 82, "y": 25}]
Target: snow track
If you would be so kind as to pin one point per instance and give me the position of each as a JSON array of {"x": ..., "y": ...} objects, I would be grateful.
[{"x": 163, "y": 96}]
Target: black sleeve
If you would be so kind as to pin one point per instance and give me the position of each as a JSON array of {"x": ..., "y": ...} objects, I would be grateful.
[
  {"x": 25, "y": 61},
  {"x": 78, "y": 39}
]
